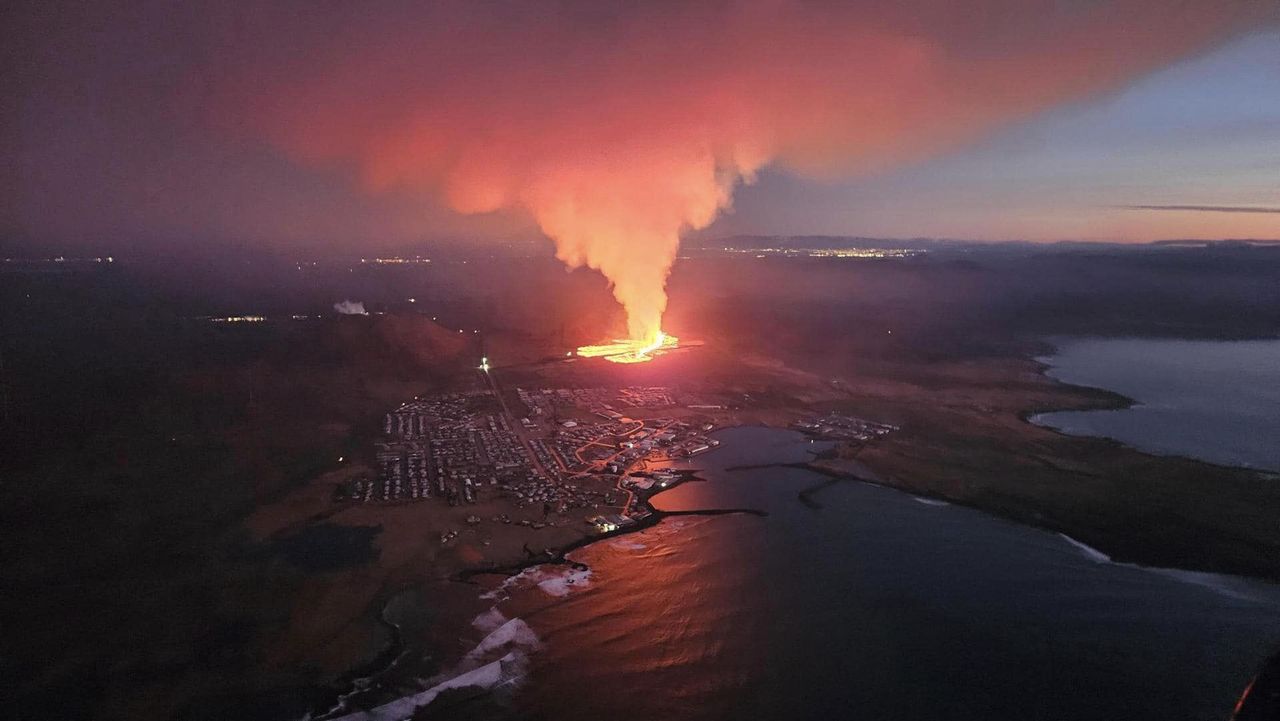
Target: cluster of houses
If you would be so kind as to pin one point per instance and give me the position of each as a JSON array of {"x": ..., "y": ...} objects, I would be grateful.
[
  {"x": 625, "y": 442},
  {"x": 558, "y": 497},
  {"x": 444, "y": 446},
  {"x": 647, "y": 397},
  {"x": 838, "y": 427},
  {"x": 452, "y": 446},
  {"x": 545, "y": 401}
]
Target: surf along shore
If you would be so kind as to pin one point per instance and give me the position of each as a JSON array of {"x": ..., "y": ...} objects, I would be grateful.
[
  {"x": 474, "y": 673},
  {"x": 1151, "y": 510}
]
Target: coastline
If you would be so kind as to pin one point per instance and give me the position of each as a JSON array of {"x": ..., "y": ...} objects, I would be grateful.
[
  {"x": 1118, "y": 402},
  {"x": 1218, "y": 583},
  {"x": 1131, "y": 554},
  {"x": 1122, "y": 547},
  {"x": 1099, "y": 489},
  {"x": 1101, "y": 554},
  {"x": 652, "y": 517},
  {"x": 482, "y": 679},
  {"x": 1118, "y": 549},
  {"x": 1131, "y": 550}
]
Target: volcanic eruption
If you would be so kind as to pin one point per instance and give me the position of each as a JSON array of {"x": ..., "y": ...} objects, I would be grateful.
[
  {"x": 626, "y": 350},
  {"x": 618, "y": 130}
]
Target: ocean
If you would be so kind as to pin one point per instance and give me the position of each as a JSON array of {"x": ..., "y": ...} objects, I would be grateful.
[
  {"x": 1218, "y": 401},
  {"x": 875, "y": 605}
]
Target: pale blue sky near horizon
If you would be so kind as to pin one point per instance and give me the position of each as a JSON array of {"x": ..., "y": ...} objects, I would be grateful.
[{"x": 1203, "y": 132}]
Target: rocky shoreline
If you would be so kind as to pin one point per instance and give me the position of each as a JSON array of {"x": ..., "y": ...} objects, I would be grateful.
[{"x": 558, "y": 556}]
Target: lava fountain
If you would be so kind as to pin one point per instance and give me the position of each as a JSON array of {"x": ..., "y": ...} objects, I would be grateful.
[
  {"x": 624, "y": 350},
  {"x": 617, "y": 132}
]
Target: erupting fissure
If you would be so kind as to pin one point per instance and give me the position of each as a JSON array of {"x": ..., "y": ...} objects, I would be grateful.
[
  {"x": 623, "y": 350},
  {"x": 618, "y": 132}
]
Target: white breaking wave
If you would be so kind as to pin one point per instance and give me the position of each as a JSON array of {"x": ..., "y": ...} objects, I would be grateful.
[
  {"x": 929, "y": 501},
  {"x": 560, "y": 584},
  {"x": 550, "y": 579},
  {"x": 1221, "y": 583},
  {"x": 1090, "y": 552},
  {"x": 514, "y": 634},
  {"x": 500, "y": 593},
  {"x": 505, "y": 670},
  {"x": 489, "y": 620},
  {"x": 514, "y": 639}
]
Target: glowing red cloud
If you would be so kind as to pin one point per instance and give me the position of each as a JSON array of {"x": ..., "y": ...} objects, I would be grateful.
[{"x": 619, "y": 129}]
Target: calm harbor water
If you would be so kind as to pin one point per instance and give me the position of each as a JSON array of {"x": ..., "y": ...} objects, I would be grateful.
[
  {"x": 876, "y": 606},
  {"x": 1218, "y": 401}
]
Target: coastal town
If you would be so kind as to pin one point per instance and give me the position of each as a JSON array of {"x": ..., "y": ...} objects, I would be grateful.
[
  {"x": 554, "y": 451},
  {"x": 838, "y": 427}
]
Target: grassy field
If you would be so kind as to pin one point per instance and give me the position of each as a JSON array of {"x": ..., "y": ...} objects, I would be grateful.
[{"x": 964, "y": 438}]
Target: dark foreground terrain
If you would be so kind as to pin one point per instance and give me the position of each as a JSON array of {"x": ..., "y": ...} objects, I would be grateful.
[{"x": 171, "y": 551}]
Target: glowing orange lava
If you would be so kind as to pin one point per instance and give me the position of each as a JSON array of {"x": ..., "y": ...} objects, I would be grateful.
[{"x": 623, "y": 350}]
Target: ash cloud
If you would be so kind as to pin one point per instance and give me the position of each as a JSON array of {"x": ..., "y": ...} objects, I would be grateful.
[
  {"x": 615, "y": 128},
  {"x": 619, "y": 131}
]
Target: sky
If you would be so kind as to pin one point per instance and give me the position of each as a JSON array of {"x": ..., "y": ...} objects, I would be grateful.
[
  {"x": 322, "y": 126},
  {"x": 1203, "y": 133}
]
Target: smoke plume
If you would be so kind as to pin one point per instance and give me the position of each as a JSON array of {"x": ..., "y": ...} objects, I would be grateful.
[
  {"x": 349, "y": 307},
  {"x": 619, "y": 129}
]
